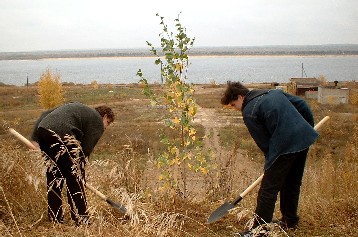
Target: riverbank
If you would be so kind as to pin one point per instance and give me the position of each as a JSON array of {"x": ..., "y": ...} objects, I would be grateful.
[{"x": 284, "y": 50}]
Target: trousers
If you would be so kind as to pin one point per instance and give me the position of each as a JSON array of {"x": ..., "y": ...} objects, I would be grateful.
[
  {"x": 284, "y": 177},
  {"x": 63, "y": 164}
]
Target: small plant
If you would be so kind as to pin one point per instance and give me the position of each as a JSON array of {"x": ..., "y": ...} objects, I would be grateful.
[
  {"x": 184, "y": 151},
  {"x": 322, "y": 80},
  {"x": 94, "y": 84},
  {"x": 50, "y": 90}
]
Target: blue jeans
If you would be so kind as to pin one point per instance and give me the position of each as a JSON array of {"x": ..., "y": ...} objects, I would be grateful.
[{"x": 284, "y": 176}]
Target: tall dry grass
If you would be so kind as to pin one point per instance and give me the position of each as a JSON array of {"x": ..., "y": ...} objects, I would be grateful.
[
  {"x": 123, "y": 168},
  {"x": 23, "y": 200}
]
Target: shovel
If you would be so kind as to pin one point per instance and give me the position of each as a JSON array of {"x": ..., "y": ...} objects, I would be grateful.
[
  {"x": 115, "y": 205},
  {"x": 227, "y": 206}
]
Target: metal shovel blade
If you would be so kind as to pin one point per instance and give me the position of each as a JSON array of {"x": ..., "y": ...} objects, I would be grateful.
[
  {"x": 117, "y": 206},
  {"x": 223, "y": 209},
  {"x": 220, "y": 212}
]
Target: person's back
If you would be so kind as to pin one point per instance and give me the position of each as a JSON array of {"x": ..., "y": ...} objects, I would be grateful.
[
  {"x": 276, "y": 124},
  {"x": 76, "y": 119}
]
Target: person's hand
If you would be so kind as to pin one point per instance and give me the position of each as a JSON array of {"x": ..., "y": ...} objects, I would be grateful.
[{"x": 37, "y": 146}]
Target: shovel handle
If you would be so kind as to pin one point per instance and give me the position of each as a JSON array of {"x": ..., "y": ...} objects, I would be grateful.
[
  {"x": 23, "y": 139},
  {"x": 98, "y": 193},
  {"x": 248, "y": 189},
  {"x": 319, "y": 124},
  {"x": 252, "y": 186}
]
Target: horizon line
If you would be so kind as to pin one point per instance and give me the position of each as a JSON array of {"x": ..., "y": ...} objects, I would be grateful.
[{"x": 198, "y": 47}]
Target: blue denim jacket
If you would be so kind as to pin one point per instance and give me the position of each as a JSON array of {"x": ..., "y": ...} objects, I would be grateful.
[{"x": 279, "y": 123}]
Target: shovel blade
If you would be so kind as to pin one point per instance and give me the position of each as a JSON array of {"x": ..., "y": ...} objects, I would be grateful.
[
  {"x": 117, "y": 206},
  {"x": 220, "y": 212}
]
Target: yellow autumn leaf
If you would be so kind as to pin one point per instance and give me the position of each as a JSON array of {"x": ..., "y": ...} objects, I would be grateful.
[
  {"x": 203, "y": 170},
  {"x": 192, "y": 131},
  {"x": 174, "y": 150},
  {"x": 176, "y": 120},
  {"x": 161, "y": 177},
  {"x": 192, "y": 110},
  {"x": 178, "y": 67}
]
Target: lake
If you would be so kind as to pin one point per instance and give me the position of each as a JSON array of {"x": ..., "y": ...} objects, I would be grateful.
[{"x": 202, "y": 69}]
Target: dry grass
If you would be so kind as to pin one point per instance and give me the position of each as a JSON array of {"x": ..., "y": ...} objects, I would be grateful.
[{"x": 122, "y": 167}]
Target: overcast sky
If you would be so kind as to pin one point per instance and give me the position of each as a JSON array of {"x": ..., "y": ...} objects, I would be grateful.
[{"x": 27, "y": 25}]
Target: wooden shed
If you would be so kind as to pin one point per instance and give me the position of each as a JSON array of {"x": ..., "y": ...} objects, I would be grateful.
[{"x": 299, "y": 85}]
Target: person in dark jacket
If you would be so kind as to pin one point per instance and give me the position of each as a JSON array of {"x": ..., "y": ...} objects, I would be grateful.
[
  {"x": 282, "y": 127},
  {"x": 67, "y": 135}
]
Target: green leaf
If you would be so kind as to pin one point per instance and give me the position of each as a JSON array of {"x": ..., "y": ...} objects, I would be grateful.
[
  {"x": 139, "y": 73},
  {"x": 158, "y": 61}
]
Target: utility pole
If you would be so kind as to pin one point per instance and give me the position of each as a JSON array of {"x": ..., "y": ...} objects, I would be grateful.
[
  {"x": 161, "y": 70},
  {"x": 303, "y": 71}
]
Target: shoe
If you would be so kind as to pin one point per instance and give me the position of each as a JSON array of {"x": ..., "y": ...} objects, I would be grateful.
[
  {"x": 260, "y": 231},
  {"x": 58, "y": 220},
  {"x": 83, "y": 221},
  {"x": 285, "y": 225}
]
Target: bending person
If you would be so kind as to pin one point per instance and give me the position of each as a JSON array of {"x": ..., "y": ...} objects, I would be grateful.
[
  {"x": 67, "y": 135},
  {"x": 282, "y": 126}
]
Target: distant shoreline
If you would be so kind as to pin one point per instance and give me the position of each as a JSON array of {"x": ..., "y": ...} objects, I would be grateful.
[
  {"x": 190, "y": 56},
  {"x": 200, "y": 56},
  {"x": 254, "y": 51}
]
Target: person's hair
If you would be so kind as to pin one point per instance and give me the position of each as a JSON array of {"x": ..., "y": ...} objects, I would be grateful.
[
  {"x": 105, "y": 110},
  {"x": 232, "y": 92}
]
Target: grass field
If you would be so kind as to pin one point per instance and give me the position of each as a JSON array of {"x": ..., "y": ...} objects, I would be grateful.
[{"x": 122, "y": 166}]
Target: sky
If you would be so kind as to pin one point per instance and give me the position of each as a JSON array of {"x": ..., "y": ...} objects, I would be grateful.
[{"x": 33, "y": 25}]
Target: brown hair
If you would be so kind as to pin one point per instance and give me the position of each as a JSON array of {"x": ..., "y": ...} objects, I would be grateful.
[
  {"x": 105, "y": 110},
  {"x": 232, "y": 92}
]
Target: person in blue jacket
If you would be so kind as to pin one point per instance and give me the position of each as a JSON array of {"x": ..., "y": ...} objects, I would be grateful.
[
  {"x": 67, "y": 136},
  {"x": 282, "y": 127}
]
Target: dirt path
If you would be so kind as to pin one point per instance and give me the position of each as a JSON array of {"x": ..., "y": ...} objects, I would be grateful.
[
  {"x": 206, "y": 117},
  {"x": 234, "y": 161}
]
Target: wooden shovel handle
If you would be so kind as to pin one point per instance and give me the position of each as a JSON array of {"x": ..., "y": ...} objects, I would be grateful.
[
  {"x": 252, "y": 186},
  {"x": 319, "y": 124},
  {"x": 23, "y": 139}
]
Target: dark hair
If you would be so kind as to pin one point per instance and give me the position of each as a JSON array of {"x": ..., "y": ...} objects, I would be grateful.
[
  {"x": 232, "y": 92},
  {"x": 105, "y": 110}
]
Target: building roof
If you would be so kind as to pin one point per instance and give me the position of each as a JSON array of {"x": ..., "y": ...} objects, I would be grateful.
[{"x": 305, "y": 80}]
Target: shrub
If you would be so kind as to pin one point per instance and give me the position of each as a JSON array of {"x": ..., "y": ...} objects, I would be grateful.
[{"x": 50, "y": 90}]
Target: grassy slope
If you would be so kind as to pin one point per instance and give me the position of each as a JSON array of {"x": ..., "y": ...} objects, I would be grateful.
[{"x": 122, "y": 168}]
